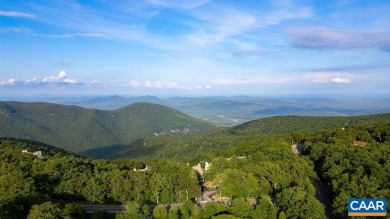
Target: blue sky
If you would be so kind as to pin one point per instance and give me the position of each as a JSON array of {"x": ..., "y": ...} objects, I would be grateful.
[{"x": 197, "y": 47}]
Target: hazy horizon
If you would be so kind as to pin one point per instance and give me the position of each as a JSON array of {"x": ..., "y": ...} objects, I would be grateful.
[{"x": 34, "y": 97}]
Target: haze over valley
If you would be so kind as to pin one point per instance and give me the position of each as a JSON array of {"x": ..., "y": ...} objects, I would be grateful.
[{"x": 231, "y": 110}]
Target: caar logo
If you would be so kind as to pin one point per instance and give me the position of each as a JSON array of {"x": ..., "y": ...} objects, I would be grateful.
[{"x": 367, "y": 207}]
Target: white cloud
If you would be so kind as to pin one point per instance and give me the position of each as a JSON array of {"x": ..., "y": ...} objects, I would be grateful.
[
  {"x": 16, "y": 14},
  {"x": 328, "y": 77},
  {"x": 94, "y": 82},
  {"x": 339, "y": 80},
  {"x": 63, "y": 74},
  {"x": 9, "y": 82},
  {"x": 162, "y": 85},
  {"x": 148, "y": 84},
  {"x": 317, "y": 77},
  {"x": 134, "y": 83},
  {"x": 62, "y": 78}
]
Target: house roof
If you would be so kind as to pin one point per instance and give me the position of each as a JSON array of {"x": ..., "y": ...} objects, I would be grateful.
[{"x": 360, "y": 143}]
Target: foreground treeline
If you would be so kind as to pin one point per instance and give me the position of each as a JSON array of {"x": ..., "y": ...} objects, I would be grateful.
[
  {"x": 26, "y": 180},
  {"x": 269, "y": 175}
]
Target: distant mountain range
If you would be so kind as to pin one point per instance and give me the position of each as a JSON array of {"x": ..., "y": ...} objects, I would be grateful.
[
  {"x": 229, "y": 111},
  {"x": 78, "y": 129}
]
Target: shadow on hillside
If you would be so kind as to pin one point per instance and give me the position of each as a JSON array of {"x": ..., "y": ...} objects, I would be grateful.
[
  {"x": 103, "y": 152},
  {"x": 133, "y": 150}
]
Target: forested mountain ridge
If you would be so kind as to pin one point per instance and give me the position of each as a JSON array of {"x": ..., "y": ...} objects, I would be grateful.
[
  {"x": 77, "y": 129},
  {"x": 180, "y": 148},
  {"x": 287, "y": 124}
]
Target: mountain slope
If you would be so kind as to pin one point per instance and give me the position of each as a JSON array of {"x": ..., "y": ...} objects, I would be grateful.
[
  {"x": 78, "y": 129},
  {"x": 288, "y": 124},
  {"x": 180, "y": 148}
]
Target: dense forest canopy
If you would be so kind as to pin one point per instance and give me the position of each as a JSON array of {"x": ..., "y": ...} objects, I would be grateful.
[{"x": 262, "y": 168}]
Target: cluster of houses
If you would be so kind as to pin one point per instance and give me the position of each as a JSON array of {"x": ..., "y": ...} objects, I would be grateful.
[
  {"x": 37, "y": 154},
  {"x": 184, "y": 131}
]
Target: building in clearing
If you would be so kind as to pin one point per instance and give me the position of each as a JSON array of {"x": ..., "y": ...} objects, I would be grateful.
[
  {"x": 198, "y": 168},
  {"x": 360, "y": 143},
  {"x": 37, "y": 154},
  {"x": 207, "y": 166},
  {"x": 141, "y": 170}
]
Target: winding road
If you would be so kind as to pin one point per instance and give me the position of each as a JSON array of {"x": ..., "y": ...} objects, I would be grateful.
[
  {"x": 323, "y": 198},
  {"x": 89, "y": 208},
  {"x": 207, "y": 195}
]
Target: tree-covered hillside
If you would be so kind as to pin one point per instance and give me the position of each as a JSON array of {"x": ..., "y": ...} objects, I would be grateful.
[
  {"x": 352, "y": 170},
  {"x": 288, "y": 124},
  {"x": 263, "y": 170},
  {"x": 221, "y": 139},
  {"x": 78, "y": 129},
  {"x": 352, "y": 161}
]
